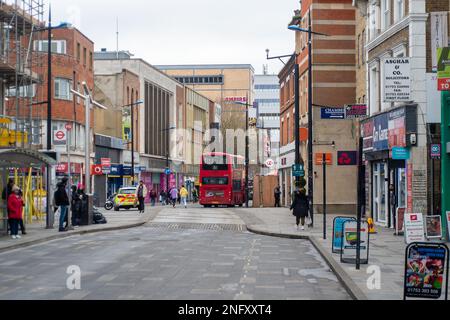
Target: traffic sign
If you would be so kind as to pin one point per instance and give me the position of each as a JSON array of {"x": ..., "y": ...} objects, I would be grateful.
[
  {"x": 435, "y": 152},
  {"x": 270, "y": 163},
  {"x": 68, "y": 126},
  {"x": 298, "y": 170},
  {"x": 96, "y": 170},
  {"x": 106, "y": 162},
  {"x": 59, "y": 137},
  {"x": 167, "y": 171}
]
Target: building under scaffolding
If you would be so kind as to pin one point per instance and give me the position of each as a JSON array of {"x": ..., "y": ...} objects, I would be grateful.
[{"x": 19, "y": 66}]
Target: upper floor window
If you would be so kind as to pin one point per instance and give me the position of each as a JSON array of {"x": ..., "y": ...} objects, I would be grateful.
[
  {"x": 24, "y": 91},
  {"x": 62, "y": 89},
  {"x": 385, "y": 14},
  {"x": 399, "y": 9},
  {"x": 84, "y": 56},
  {"x": 58, "y": 46}
]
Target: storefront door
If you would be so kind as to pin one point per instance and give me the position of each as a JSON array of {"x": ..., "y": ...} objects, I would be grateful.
[{"x": 380, "y": 192}]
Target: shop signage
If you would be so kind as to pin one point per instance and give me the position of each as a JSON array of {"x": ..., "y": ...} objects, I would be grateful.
[
  {"x": 338, "y": 228},
  {"x": 434, "y": 227},
  {"x": 367, "y": 133},
  {"x": 439, "y": 34},
  {"x": 399, "y": 153},
  {"x": 332, "y": 113},
  {"x": 443, "y": 69},
  {"x": 381, "y": 132},
  {"x": 356, "y": 111},
  {"x": 350, "y": 241},
  {"x": 270, "y": 163},
  {"x": 96, "y": 170},
  {"x": 397, "y": 128},
  {"x": 397, "y": 82},
  {"x": 328, "y": 159},
  {"x": 347, "y": 158},
  {"x": 414, "y": 229},
  {"x": 106, "y": 162},
  {"x": 116, "y": 170},
  {"x": 435, "y": 151},
  {"x": 400, "y": 221},
  {"x": 63, "y": 168},
  {"x": 60, "y": 137},
  {"x": 426, "y": 271}
]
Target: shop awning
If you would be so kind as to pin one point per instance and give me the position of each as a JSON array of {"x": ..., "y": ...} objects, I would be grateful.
[{"x": 24, "y": 158}]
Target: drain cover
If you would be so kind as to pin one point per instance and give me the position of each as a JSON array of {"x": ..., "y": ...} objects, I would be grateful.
[{"x": 197, "y": 226}]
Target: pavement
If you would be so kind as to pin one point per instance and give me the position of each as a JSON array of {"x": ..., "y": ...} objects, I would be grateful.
[
  {"x": 191, "y": 254},
  {"x": 37, "y": 232},
  {"x": 387, "y": 251}
]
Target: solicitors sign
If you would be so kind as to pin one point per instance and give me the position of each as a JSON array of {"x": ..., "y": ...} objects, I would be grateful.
[{"x": 397, "y": 81}]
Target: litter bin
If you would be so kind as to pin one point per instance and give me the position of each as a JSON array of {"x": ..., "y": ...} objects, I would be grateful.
[{"x": 87, "y": 213}]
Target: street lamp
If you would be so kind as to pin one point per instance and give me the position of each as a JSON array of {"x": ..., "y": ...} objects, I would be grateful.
[
  {"x": 139, "y": 102},
  {"x": 247, "y": 153},
  {"x": 310, "y": 111},
  {"x": 167, "y": 172}
]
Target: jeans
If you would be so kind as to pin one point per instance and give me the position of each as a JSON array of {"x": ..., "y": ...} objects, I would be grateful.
[
  {"x": 62, "y": 216},
  {"x": 302, "y": 219},
  {"x": 141, "y": 204},
  {"x": 184, "y": 201},
  {"x": 14, "y": 226},
  {"x": 153, "y": 202}
]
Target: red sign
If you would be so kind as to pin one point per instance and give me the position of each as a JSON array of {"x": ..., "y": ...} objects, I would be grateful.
[
  {"x": 347, "y": 158},
  {"x": 63, "y": 168},
  {"x": 96, "y": 170},
  {"x": 106, "y": 162},
  {"x": 444, "y": 84},
  {"x": 409, "y": 176},
  {"x": 319, "y": 159},
  {"x": 68, "y": 126}
]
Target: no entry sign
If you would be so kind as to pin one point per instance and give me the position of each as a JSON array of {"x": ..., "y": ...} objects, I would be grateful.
[{"x": 60, "y": 137}]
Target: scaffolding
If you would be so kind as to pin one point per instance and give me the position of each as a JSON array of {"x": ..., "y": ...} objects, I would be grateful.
[{"x": 20, "y": 65}]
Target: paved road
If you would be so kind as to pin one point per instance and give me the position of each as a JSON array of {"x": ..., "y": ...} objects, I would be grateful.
[{"x": 172, "y": 259}]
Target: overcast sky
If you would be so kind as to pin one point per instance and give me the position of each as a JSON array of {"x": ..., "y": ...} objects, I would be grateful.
[{"x": 186, "y": 31}]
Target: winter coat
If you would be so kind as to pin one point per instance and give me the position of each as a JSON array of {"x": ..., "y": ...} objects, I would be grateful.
[
  {"x": 61, "y": 197},
  {"x": 144, "y": 191},
  {"x": 300, "y": 205},
  {"x": 15, "y": 207}
]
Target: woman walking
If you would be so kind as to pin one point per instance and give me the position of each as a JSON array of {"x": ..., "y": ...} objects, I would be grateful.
[
  {"x": 300, "y": 205},
  {"x": 15, "y": 207}
]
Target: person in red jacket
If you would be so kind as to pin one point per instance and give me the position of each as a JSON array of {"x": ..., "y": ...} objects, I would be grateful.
[{"x": 15, "y": 208}]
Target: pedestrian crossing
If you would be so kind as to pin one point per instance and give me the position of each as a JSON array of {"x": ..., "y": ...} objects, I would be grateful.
[{"x": 197, "y": 215}]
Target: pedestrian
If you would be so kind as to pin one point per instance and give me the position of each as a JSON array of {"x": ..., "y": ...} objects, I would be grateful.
[
  {"x": 62, "y": 201},
  {"x": 141, "y": 194},
  {"x": 300, "y": 207},
  {"x": 195, "y": 195},
  {"x": 173, "y": 196},
  {"x": 277, "y": 195},
  {"x": 74, "y": 200},
  {"x": 153, "y": 197},
  {"x": 7, "y": 191},
  {"x": 178, "y": 196},
  {"x": 15, "y": 209},
  {"x": 184, "y": 195},
  {"x": 163, "y": 197}
]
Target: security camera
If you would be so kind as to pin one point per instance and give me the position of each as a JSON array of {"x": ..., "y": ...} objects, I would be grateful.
[{"x": 413, "y": 139}]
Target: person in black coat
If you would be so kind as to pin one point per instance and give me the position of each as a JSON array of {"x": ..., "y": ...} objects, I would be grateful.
[
  {"x": 300, "y": 205},
  {"x": 62, "y": 201}
]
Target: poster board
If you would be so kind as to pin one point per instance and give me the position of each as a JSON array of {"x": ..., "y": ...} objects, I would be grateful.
[
  {"x": 349, "y": 242},
  {"x": 414, "y": 228},
  {"x": 338, "y": 228},
  {"x": 433, "y": 227},
  {"x": 426, "y": 271}
]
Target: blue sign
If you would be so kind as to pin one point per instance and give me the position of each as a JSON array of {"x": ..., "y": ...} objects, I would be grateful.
[
  {"x": 298, "y": 170},
  {"x": 399, "y": 153},
  {"x": 338, "y": 229},
  {"x": 435, "y": 151},
  {"x": 116, "y": 170},
  {"x": 167, "y": 172},
  {"x": 381, "y": 132},
  {"x": 333, "y": 113}
]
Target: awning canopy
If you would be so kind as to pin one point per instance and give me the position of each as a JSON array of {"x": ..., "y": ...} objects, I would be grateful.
[{"x": 24, "y": 158}]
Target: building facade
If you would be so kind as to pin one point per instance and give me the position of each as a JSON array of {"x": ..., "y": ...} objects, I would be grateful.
[{"x": 267, "y": 103}]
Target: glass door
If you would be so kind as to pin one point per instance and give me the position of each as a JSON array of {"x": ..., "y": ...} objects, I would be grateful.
[{"x": 380, "y": 193}]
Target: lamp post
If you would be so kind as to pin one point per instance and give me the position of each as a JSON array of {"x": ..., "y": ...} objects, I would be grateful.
[
  {"x": 139, "y": 102},
  {"x": 310, "y": 112},
  {"x": 167, "y": 172}
]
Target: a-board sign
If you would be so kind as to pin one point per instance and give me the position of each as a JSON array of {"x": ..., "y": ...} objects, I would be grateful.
[
  {"x": 414, "y": 228},
  {"x": 350, "y": 241},
  {"x": 433, "y": 227},
  {"x": 338, "y": 228},
  {"x": 426, "y": 271}
]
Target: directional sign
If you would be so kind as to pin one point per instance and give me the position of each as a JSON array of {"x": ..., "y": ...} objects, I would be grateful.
[
  {"x": 60, "y": 137},
  {"x": 96, "y": 170},
  {"x": 68, "y": 126},
  {"x": 298, "y": 170},
  {"x": 332, "y": 113}
]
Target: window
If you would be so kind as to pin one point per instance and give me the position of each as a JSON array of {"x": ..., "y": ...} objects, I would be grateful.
[
  {"x": 62, "y": 89},
  {"x": 363, "y": 44},
  {"x": 91, "y": 61},
  {"x": 399, "y": 10},
  {"x": 374, "y": 99},
  {"x": 215, "y": 80},
  {"x": 215, "y": 163},
  {"x": 78, "y": 51},
  {"x": 222, "y": 181},
  {"x": 84, "y": 56},
  {"x": 359, "y": 50},
  {"x": 374, "y": 21},
  {"x": 385, "y": 14},
  {"x": 58, "y": 46},
  {"x": 24, "y": 91},
  {"x": 237, "y": 185}
]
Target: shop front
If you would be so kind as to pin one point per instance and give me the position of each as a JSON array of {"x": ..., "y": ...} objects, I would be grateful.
[
  {"x": 76, "y": 172},
  {"x": 387, "y": 154}
]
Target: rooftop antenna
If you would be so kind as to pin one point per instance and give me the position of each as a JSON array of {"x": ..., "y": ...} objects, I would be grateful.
[{"x": 117, "y": 38}]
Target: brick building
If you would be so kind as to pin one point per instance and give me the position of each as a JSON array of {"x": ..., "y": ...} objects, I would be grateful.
[{"x": 334, "y": 84}]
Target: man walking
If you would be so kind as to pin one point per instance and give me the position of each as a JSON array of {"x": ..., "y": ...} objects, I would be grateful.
[
  {"x": 62, "y": 201},
  {"x": 277, "y": 195},
  {"x": 173, "y": 196},
  {"x": 141, "y": 194},
  {"x": 153, "y": 197},
  {"x": 184, "y": 195}
]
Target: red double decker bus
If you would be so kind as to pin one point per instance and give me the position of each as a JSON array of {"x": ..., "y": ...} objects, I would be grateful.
[{"x": 222, "y": 180}]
